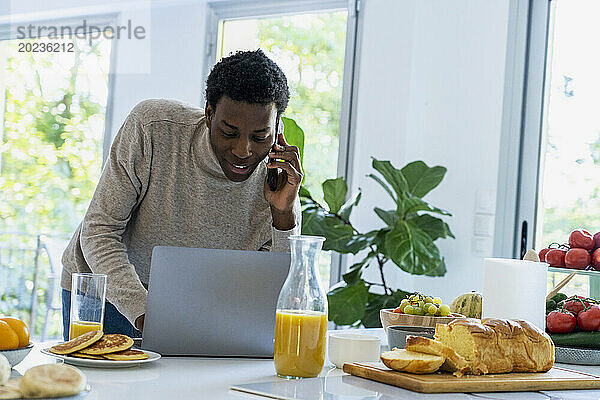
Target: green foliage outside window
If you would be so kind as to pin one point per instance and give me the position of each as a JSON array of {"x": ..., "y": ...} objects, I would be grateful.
[
  {"x": 50, "y": 157},
  {"x": 314, "y": 48}
]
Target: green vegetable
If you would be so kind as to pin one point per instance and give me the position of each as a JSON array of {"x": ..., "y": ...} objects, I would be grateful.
[
  {"x": 577, "y": 339},
  {"x": 550, "y": 306},
  {"x": 558, "y": 297}
]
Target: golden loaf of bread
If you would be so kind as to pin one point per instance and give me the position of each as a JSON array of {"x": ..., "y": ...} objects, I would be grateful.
[
  {"x": 454, "y": 362},
  {"x": 498, "y": 345}
]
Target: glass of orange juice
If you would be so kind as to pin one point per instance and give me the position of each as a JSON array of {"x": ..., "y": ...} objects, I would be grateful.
[
  {"x": 88, "y": 298},
  {"x": 301, "y": 316}
]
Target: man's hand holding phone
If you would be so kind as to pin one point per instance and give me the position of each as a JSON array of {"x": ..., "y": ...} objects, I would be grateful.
[{"x": 285, "y": 184}]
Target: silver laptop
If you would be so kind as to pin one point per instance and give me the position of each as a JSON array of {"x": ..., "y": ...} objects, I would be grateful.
[{"x": 207, "y": 302}]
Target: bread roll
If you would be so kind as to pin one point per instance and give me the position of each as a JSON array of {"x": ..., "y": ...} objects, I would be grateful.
[
  {"x": 11, "y": 389},
  {"x": 408, "y": 361},
  {"x": 52, "y": 380},
  {"x": 498, "y": 345}
]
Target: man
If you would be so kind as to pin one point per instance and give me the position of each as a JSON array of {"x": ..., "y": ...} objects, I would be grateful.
[{"x": 177, "y": 176}]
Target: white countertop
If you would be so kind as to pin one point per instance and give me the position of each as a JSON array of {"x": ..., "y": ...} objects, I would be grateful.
[{"x": 211, "y": 378}]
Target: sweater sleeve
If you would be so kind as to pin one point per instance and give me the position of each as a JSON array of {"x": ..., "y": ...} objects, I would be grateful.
[
  {"x": 280, "y": 239},
  {"x": 122, "y": 185}
]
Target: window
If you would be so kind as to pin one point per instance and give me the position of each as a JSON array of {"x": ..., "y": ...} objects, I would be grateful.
[
  {"x": 570, "y": 153},
  {"x": 569, "y": 185},
  {"x": 566, "y": 189},
  {"x": 310, "y": 48},
  {"x": 51, "y": 145}
]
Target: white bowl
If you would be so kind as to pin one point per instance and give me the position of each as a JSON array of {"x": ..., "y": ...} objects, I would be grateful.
[
  {"x": 352, "y": 347},
  {"x": 15, "y": 356}
]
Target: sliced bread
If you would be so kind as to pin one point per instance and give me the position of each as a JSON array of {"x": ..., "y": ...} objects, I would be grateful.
[
  {"x": 410, "y": 361},
  {"x": 52, "y": 380},
  {"x": 454, "y": 362}
]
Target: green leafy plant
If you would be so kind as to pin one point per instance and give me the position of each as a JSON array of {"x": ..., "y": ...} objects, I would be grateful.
[{"x": 407, "y": 238}]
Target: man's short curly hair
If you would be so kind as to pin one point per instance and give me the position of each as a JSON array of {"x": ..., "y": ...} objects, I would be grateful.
[{"x": 248, "y": 76}]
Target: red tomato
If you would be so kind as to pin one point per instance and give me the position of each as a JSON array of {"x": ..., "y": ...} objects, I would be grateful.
[
  {"x": 398, "y": 310},
  {"x": 556, "y": 258},
  {"x": 577, "y": 258},
  {"x": 596, "y": 259},
  {"x": 589, "y": 320},
  {"x": 576, "y": 306},
  {"x": 597, "y": 240},
  {"x": 582, "y": 239},
  {"x": 561, "y": 322},
  {"x": 542, "y": 254}
]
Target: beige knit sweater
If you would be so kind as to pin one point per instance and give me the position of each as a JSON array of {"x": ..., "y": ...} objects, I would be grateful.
[{"x": 162, "y": 185}]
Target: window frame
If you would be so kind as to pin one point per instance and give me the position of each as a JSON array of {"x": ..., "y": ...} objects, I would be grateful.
[
  {"x": 522, "y": 128},
  {"x": 221, "y": 10},
  {"x": 8, "y": 31}
]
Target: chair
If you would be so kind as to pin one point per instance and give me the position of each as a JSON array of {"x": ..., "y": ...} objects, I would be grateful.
[{"x": 54, "y": 248}]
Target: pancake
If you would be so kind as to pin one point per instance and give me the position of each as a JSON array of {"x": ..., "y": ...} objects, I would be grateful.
[
  {"x": 11, "y": 389},
  {"x": 127, "y": 355},
  {"x": 80, "y": 342},
  {"x": 78, "y": 354},
  {"x": 52, "y": 380},
  {"x": 110, "y": 343}
]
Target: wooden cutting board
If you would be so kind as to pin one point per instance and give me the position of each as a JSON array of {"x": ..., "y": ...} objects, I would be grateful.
[{"x": 555, "y": 379}]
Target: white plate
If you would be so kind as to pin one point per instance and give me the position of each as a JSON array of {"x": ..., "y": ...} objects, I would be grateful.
[{"x": 84, "y": 362}]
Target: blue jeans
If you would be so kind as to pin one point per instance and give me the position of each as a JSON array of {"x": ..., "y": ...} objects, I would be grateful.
[{"x": 114, "y": 321}]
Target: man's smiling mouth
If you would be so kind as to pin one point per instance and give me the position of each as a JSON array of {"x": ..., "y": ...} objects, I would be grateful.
[{"x": 239, "y": 169}]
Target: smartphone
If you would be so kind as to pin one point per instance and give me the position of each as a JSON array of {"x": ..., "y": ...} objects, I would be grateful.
[{"x": 273, "y": 173}]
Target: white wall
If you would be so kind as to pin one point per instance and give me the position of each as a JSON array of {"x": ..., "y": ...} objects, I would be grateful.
[
  {"x": 430, "y": 88},
  {"x": 431, "y": 78},
  {"x": 176, "y": 60}
]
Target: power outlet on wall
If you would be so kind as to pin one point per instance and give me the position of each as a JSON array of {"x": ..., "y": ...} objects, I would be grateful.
[{"x": 483, "y": 223}]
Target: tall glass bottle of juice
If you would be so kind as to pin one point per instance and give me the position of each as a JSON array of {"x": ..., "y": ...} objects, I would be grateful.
[{"x": 301, "y": 317}]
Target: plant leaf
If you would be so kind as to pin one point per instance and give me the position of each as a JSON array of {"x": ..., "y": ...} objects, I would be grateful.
[
  {"x": 351, "y": 202},
  {"x": 354, "y": 271},
  {"x": 439, "y": 270},
  {"x": 393, "y": 177},
  {"x": 352, "y": 244},
  {"x": 434, "y": 227},
  {"x": 294, "y": 135},
  {"x": 303, "y": 192},
  {"x": 353, "y": 274},
  {"x": 347, "y": 303},
  {"x": 389, "y": 217},
  {"x": 413, "y": 251},
  {"x": 316, "y": 221},
  {"x": 378, "y": 301},
  {"x": 384, "y": 185},
  {"x": 379, "y": 240},
  {"x": 334, "y": 193},
  {"x": 413, "y": 204},
  {"x": 339, "y": 236},
  {"x": 421, "y": 179}
]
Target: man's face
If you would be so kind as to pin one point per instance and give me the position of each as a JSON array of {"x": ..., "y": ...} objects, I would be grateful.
[{"x": 241, "y": 135}]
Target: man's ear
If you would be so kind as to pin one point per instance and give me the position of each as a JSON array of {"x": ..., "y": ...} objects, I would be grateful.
[{"x": 208, "y": 114}]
